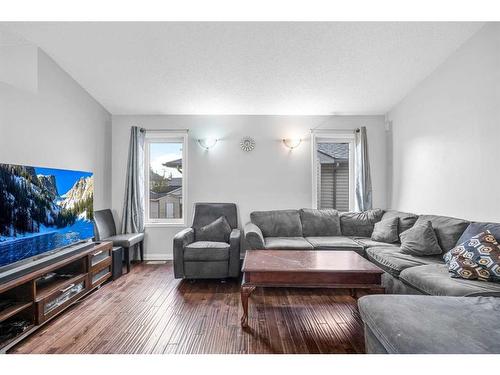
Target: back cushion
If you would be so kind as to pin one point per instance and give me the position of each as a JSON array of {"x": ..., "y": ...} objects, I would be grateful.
[
  {"x": 476, "y": 228},
  {"x": 360, "y": 223},
  {"x": 448, "y": 229},
  {"x": 279, "y": 223},
  {"x": 405, "y": 219},
  {"x": 317, "y": 223}
]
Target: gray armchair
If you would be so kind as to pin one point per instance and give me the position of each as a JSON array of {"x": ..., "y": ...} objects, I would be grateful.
[
  {"x": 207, "y": 259},
  {"x": 105, "y": 230}
]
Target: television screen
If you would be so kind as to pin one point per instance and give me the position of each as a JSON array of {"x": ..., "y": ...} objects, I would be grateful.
[{"x": 43, "y": 209}]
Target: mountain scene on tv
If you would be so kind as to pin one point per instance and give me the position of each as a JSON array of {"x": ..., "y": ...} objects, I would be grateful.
[{"x": 43, "y": 209}]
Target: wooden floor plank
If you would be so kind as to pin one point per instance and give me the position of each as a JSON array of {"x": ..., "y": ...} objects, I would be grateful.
[{"x": 148, "y": 311}]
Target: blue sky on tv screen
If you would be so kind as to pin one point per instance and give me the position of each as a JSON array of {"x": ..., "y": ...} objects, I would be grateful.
[{"x": 65, "y": 179}]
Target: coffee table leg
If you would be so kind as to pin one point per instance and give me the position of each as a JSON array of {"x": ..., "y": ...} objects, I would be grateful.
[{"x": 245, "y": 293}]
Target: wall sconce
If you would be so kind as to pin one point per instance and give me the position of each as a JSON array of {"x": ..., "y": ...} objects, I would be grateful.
[
  {"x": 292, "y": 143},
  {"x": 207, "y": 143}
]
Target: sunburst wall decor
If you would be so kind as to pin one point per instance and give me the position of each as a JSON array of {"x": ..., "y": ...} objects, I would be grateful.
[{"x": 247, "y": 144}]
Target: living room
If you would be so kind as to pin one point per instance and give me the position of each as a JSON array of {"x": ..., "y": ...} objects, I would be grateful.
[{"x": 246, "y": 188}]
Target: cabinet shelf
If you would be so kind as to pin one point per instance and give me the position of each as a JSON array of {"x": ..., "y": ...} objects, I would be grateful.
[{"x": 13, "y": 310}]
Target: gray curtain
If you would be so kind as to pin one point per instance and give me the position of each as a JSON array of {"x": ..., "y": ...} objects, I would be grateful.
[
  {"x": 362, "y": 178},
  {"x": 133, "y": 206}
]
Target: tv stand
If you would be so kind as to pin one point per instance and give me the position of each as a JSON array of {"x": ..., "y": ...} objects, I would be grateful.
[{"x": 31, "y": 300}]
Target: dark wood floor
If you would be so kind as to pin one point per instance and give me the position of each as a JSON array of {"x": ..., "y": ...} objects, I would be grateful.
[{"x": 148, "y": 311}]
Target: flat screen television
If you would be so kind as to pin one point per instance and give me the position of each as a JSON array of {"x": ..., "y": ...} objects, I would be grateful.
[{"x": 42, "y": 210}]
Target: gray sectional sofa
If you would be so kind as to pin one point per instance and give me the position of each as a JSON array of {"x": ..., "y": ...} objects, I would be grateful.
[
  {"x": 428, "y": 311},
  {"x": 404, "y": 274}
]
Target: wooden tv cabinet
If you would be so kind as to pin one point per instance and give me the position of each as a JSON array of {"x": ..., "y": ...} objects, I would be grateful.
[{"x": 41, "y": 295}]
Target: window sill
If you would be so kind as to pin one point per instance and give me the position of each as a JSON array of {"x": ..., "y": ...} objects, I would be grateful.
[{"x": 164, "y": 225}]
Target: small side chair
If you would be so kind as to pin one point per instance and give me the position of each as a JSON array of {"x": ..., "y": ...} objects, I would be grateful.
[
  {"x": 195, "y": 259},
  {"x": 105, "y": 230}
]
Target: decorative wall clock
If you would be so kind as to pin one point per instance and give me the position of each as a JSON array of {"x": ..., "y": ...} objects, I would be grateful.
[{"x": 247, "y": 144}]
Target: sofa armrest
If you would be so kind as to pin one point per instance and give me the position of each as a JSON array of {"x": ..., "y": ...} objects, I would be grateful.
[
  {"x": 234, "y": 253},
  {"x": 254, "y": 236},
  {"x": 181, "y": 239}
]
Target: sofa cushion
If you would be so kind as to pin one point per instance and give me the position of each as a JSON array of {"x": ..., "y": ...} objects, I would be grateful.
[
  {"x": 359, "y": 223},
  {"x": 393, "y": 261},
  {"x": 448, "y": 229},
  {"x": 206, "y": 251},
  {"x": 386, "y": 230},
  {"x": 320, "y": 222},
  {"x": 335, "y": 243},
  {"x": 434, "y": 279},
  {"x": 278, "y": 223},
  {"x": 405, "y": 219},
  {"x": 452, "y": 325},
  {"x": 420, "y": 240},
  {"x": 475, "y": 259},
  {"x": 368, "y": 242},
  {"x": 218, "y": 231},
  {"x": 287, "y": 243},
  {"x": 476, "y": 228}
]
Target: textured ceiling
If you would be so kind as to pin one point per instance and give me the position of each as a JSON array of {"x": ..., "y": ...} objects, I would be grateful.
[{"x": 247, "y": 68}]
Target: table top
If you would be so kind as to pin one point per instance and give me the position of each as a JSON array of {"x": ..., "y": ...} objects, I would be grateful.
[{"x": 307, "y": 261}]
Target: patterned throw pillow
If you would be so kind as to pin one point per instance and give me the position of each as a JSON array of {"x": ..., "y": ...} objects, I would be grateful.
[{"x": 475, "y": 259}]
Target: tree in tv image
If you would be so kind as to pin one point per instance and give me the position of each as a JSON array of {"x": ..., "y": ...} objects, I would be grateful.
[{"x": 42, "y": 209}]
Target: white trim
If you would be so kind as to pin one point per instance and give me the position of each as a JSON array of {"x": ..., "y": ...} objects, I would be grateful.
[
  {"x": 164, "y": 225},
  {"x": 158, "y": 256},
  {"x": 332, "y": 135},
  {"x": 166, "y": 136}
]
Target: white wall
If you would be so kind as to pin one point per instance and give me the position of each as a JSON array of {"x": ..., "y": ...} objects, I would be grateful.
[
  {"x": 269, "y": 177},
  {"x": 56, "y": 124},
  {"x": 446, "y": 136}
]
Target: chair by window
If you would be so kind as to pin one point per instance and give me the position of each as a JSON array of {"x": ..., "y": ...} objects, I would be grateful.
[
  {"x": 105, "y": 230},
  {"x": 195, "y": 259}
]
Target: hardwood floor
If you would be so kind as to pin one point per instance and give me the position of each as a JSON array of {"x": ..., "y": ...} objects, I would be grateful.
[{"x": 148, "y": 311}]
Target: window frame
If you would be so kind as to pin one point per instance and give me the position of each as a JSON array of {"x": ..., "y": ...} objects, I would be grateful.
[
  {"x": 333, "y": 136},
  {"x": 165, "y": 136}
]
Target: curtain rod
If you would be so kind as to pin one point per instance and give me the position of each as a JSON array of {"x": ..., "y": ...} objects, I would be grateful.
[
  {"x": 164, "y": 130},
  {"x": 334, "y": 130}
]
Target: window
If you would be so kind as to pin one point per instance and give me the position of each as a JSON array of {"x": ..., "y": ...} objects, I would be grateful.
[
  {"x": 165, "y": 177},
  {"x": 333, "y": 170}
]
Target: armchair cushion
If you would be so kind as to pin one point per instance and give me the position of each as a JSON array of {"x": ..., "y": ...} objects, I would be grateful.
[
  {"x": 126, "y": 240},
  {"x": 218, "y": 231},
  {"x": 206, "y": 251}
]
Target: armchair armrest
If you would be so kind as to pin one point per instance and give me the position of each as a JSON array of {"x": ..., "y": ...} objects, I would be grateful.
[
  {"x": 254, "y": 236},
  {"x": 181, "y": 239},
  {"x": 234, "y": 253}
]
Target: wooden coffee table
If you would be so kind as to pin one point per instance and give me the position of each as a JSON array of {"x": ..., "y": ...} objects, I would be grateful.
[{"x": 307, "y": 269}]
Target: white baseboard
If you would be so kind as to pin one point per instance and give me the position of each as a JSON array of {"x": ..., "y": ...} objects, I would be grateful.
[{"x": 158, "y": 257}]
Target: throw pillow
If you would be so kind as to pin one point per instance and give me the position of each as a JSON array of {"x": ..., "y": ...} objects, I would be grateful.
[
  {"x": 477, "y": 228},
  {"x": 218, "y": 230},
  {"x": 420, "y": 240},
  {"x": 316, "y": 223},
  {"x": 386, "y": 230},
  {"x": 475, "y": 259},
  {"x": 359, "y": 224}
]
